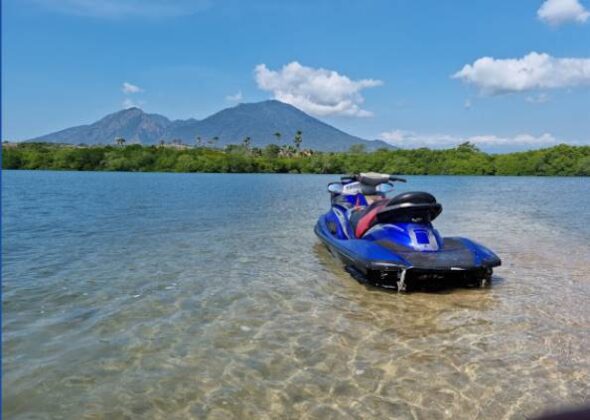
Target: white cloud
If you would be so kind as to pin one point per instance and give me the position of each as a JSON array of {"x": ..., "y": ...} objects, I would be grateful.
[
  {"x": 533, "y": 71},
  {"x": 130, "y": 103},
  {"x": 237, "y": 97},
  {"x": 467, "y": 104},
  {"x": 411, "y": 139},
  {"x": 125, "y": 8},
  {"x": 315, "y": 91},
  {"x": 129, "y": 88},
  {"x": 556, "y": 12}
]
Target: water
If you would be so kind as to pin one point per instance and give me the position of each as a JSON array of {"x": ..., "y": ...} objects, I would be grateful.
[{"x": 209, "y": 296}]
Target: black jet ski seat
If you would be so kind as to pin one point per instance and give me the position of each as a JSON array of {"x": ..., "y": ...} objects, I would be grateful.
[
  {"x": 415, "y": 197},
  {"x": 408, "y": 207}
]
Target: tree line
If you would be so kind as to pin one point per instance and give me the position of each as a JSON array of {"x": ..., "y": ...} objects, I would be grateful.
[
  {"x": 284, "y": 149},
  {"x": 465, "y": 159}
]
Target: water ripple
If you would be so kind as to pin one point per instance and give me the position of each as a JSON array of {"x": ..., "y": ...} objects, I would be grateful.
[{"x": 176, "y": 296}]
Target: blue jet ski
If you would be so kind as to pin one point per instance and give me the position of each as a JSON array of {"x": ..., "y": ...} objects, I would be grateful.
[{"x": 390, "y": 242}]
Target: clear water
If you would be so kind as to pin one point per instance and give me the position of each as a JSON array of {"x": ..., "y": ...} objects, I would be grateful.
[{"x": 209, "y": 296}]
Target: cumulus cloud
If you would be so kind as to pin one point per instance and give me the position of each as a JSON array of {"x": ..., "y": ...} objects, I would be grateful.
[
  {"x": 533, "y": 71},
  {"x": 125, "y": 8},
  {"x": 411, "y": 139},
  {"x": 557, "y": 12},
  {"x": 316, "y": 91},
  {"x": 237, "y": 97},
  {"x": 129, "y": 88}
]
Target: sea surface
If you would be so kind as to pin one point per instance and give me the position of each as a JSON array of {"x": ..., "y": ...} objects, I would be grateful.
[{"x": 149, "y": 295}]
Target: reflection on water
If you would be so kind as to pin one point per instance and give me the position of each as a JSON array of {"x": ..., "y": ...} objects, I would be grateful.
[{"x": 162, "y": 295}]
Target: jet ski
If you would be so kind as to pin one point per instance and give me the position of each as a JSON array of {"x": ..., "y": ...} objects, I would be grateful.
[{"x": 391, "y": 242}]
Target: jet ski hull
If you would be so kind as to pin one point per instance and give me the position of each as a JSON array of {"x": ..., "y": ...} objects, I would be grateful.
[{"x": 386, "y": 262}]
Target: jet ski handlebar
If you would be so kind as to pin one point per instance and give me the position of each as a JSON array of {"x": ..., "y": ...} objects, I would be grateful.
[
  {"x": 393, "y": 178},
  {"x": 372, "y": 178}
]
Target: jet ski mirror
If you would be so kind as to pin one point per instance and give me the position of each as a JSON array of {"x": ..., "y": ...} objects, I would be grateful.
[{"x": 335, "y": 188}]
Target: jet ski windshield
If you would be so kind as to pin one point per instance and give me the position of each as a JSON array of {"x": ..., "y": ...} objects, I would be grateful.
[{"x": 354, "y": 188}]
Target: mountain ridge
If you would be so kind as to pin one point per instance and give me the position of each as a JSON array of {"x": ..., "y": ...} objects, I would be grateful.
[{"x": 259, "y": 121}]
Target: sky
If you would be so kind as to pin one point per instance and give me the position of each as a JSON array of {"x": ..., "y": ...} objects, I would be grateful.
[{"x": 505, "y": 75}]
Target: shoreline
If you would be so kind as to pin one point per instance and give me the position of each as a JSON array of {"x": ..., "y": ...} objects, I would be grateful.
[
  {"x": 465, "y": 159},
  {"x": 295, "y": 173}
]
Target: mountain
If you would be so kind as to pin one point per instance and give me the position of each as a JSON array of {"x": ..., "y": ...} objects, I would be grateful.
[
  {"x": 259, "y": 121},
  {"x": 131, "y": 124}
]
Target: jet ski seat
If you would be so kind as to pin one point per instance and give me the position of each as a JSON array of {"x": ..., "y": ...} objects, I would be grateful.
[
  {"x": 414, "y": 206},
  {"x": 415, "y": 197},
  {"x": 363, "y": 219}
]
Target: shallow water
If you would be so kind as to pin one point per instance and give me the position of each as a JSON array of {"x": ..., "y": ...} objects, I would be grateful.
[{"x": 209, "y": 296}]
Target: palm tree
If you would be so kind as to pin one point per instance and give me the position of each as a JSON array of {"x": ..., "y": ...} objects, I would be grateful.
[
  {"x": 298, "y": 139},
  {"x": 120, "y": 141},
  {"x": 247, "y": 141},
  {"x": 199, "y": 142},
  {"x": 278, "y": 136},
  {"x": 214, "y": 141}
]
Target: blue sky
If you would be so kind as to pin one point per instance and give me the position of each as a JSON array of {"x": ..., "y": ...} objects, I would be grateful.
[{"x": 377, "y": 69}]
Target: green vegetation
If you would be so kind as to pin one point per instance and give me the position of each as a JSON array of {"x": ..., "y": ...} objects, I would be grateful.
[{"x": 465, "y": 159}]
